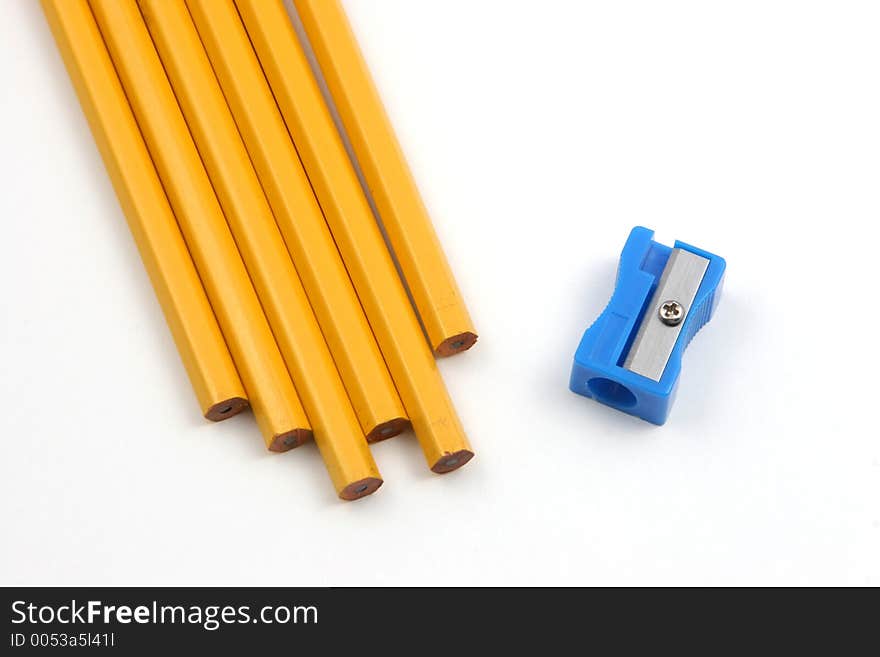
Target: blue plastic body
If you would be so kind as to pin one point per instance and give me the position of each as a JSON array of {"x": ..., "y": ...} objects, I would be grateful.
[{"x": 598, "y": 370}]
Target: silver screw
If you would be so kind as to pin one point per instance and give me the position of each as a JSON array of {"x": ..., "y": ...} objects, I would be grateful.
[{"x": 671, "y": 313}]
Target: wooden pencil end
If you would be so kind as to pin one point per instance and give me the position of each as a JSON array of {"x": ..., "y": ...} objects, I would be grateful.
[
  {"x": 388, "y": 429},
  {"x": 361, "y": 488},
  {"x": 456, "y": 344},
  {"x": 452, "y": 461},
  {"x": 226, "y": 409},
  {"x": 286, "y": 441}
]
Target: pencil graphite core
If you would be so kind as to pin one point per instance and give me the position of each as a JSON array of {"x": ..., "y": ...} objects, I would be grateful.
[
  {"x": 183, "y": 300},
  {"x": 273, "y": 398}
]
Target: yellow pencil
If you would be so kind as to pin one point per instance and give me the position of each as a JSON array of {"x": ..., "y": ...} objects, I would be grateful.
[
  {"x": 335, "y": 426},
  {"x": 302, "y": 224},
  {"x": 155, "y": 230},
  {"x": 265, "y": 377},
  {"x": 381, "y": 292},
  {"x": 422, "y": 261}
]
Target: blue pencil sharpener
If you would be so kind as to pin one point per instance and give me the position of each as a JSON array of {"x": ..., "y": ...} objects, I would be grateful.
[{"x": 630, "y": 358}]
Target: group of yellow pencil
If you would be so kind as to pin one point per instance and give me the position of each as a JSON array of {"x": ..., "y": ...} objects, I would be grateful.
[{"x": 260, "y": 242}]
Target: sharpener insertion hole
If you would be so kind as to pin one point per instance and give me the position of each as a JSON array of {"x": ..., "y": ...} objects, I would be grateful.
[{"x": 611, "y": 392}]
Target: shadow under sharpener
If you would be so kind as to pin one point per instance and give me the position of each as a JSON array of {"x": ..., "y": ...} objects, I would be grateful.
[{"x": 630, "y": 358}]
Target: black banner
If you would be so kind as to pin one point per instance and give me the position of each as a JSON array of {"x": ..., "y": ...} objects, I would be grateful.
[{"x": 150, "y": 620}]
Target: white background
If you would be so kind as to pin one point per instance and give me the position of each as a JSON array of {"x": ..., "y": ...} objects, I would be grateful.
[{"x": 540, "y": 133}]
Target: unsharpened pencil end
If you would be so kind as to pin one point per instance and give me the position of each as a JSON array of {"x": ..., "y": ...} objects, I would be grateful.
[
  {"x": 453, "y": 461},
  {"x": 360, "y": 488},
  {"x": 226, "y": 408},
  {"x": 456, "y": 344},
  {"x": 290, "y": 439},
  {"x": 388, "y": 429}
]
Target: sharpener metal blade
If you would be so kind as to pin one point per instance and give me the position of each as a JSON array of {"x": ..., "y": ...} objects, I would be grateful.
[{"x": 656, "y": 339}]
